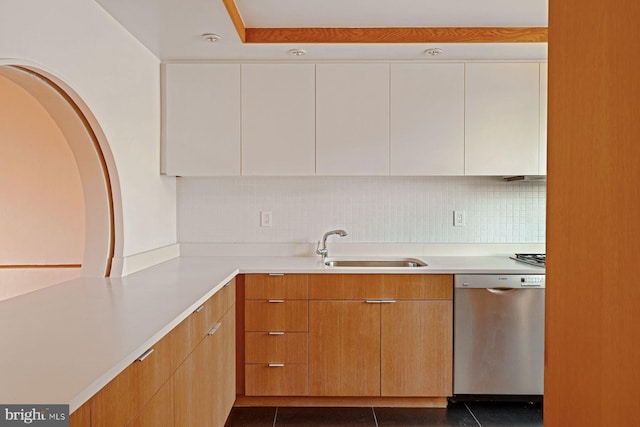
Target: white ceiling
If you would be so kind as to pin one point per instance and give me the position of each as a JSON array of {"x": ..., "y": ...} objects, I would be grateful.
[{"x": 172, "y": 29}]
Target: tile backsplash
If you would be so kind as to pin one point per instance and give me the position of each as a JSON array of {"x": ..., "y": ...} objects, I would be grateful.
[{"x": 371, "y": 209}]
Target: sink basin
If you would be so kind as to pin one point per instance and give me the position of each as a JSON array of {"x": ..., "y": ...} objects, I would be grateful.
[{"x": 374, "y": 262}]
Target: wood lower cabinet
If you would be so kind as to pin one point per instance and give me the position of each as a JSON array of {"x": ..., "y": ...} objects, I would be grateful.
[
  {"x": 416, "y": 348},
  {"x": 380, "y": 335},
  {"x": 187, "y": 378},
  {"x": 344, "y": 348},
  {"x": 205, "y": 389}
]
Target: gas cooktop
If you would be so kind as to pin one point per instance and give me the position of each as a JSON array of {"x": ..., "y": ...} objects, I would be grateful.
[{"x": 539, "y": 260}]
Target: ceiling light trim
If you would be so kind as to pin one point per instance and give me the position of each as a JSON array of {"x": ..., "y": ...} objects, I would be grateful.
[{"x": 398, "y": 35}]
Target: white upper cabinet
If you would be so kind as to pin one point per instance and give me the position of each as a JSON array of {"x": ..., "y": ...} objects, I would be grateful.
[
  {"x": 427, "y": 119},
  {"x": 543, "y": 118},
  {"x": 355, "y": 119},
  {"x": 201, "y": 126},
  {"x": 502, "y": 126},
  {"x": 352, "y": 119},
  {"x": 278, "y": 119}
]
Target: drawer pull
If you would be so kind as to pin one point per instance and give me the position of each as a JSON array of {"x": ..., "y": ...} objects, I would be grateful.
[
  {"x": 276, "y": 333},
  {"x": 199, "y": 309},
  {"x": 144, "y": 355},
  {"x": 276, "y": 274},
  {"x": 276, "y": 301},
  {"x": 380, "y": 301},
  {"x": 214, "y": 329},
  {"x": 276, "y": 365}
]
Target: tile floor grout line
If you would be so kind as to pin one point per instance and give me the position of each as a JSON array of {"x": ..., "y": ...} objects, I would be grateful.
[
  {"x": 472, "y": 414},
  {"x": 375, "y": 419},
  {"x": 275, "y": 417}
]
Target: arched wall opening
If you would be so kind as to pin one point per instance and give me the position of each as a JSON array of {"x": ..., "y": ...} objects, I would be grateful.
[{"x": 98, "y": 175}]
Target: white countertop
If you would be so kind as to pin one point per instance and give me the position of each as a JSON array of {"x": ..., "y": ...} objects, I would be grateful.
[{"x": 62, "y": 344}]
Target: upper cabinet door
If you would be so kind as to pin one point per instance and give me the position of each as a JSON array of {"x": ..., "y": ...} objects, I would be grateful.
[
  {"x": 502, "y": 128},
  {"x": 427, "y": 119},
  {"x": 278, "y": 119},
  {"x": 543, "y": 118},
  {"x": 352, "y": 119},
  {"x": 201, "y": 119}
]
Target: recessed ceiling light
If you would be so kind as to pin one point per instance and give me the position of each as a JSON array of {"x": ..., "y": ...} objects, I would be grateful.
[
  {"x": 211, "y": 37},
  {"x": 434, "y": 52},
  {"x": 297, "y": 52}
]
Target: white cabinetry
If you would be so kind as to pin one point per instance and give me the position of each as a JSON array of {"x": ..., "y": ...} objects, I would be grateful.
[
  {"x": 427, "y": 119},
  {"x": 201, "y": 120},
  {"x": 502, "y": 127},
  {"x": 352, "y": 119},
  {"x": 278, "y": 119}
]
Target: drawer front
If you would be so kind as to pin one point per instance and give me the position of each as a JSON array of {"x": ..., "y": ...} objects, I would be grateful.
[
  {"x": 418, "y": 286},
  {"x": 287, "y": 380},
  {"x": 120, "y": 400},
  {"x": 277, "y": 347},
  {"x": 374, "y": 286},
  {"x": 279, "y": 286},
  {"x": 205, "y": 316},
  {"x": 277, "y": 315}
]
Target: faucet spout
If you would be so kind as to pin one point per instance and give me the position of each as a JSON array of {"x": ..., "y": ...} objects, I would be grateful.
[{"x": 322, "y": 245}]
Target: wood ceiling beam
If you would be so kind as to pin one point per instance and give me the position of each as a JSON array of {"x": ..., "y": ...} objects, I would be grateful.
[
  {"x": 234, "y": 14},
  {"x": 398, "y": 35},
  {"x": 385, "y": 35}
]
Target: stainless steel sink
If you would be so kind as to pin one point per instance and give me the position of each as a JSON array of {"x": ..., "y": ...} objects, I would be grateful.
[{"x": 374, "y": 262}]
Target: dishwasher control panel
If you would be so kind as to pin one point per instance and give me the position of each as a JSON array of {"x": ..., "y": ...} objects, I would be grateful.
[
  {"x": 532, "y": 281},
  {"x": 503, "y": 281}
]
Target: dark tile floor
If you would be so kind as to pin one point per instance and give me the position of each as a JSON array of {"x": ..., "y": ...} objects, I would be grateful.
[{"x": 489, "y": 414}]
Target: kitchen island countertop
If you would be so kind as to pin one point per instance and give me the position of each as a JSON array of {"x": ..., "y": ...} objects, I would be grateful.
[{"x": 62, "y": 344}]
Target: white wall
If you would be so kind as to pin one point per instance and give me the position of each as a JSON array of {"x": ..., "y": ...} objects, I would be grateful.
[
  {"x": 119, "y": 80},
  {"x": 41, "y": 199},
  {"x": 371, "y": 209}
]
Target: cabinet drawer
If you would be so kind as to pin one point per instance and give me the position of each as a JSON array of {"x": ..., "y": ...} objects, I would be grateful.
[
  {"x": 372, "y": 286},
  {"x": 276, "y": 347},
  {"x": 120, "y": 400},
  {"x": 418, "y": 286},
  {"x": 205, "y": 316},
  {"x": 287, "y": 380},
  {"x": 282, "y": 286},
  {"x": 277, "y": 315}
]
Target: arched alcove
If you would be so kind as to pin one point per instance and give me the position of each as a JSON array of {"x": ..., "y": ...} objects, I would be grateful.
[{"x": 93, "y": 157}]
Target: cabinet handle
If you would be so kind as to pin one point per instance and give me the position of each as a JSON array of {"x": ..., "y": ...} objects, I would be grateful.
[
  {"x": 276, "y": 274},
  {"x": 276, "y": 301},
  {"x": 226, "y": 285},
  {"x": 144, "y": 355},
  {"x": 276, "y": 365},
  {"x": 199, "y": 309},
  {"x": 380, "y": 301},
  {"x": 276, "y": 333},
  {"x": 214, "y": 329}
]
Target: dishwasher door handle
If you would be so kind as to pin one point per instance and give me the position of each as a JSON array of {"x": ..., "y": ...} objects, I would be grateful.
[{"x": 500, "y": 291}]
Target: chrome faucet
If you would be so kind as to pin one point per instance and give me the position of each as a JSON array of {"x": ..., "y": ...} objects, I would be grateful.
[{"x": 322, "y": 245}]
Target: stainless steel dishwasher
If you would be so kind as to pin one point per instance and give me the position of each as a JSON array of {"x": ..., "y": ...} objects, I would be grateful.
[{"x": 498, "y": 335}]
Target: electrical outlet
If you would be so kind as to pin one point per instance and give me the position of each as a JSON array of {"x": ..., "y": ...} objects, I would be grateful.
[
  {"x": 266, "y": 219},
  {"x": 459, "y": 218}
]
